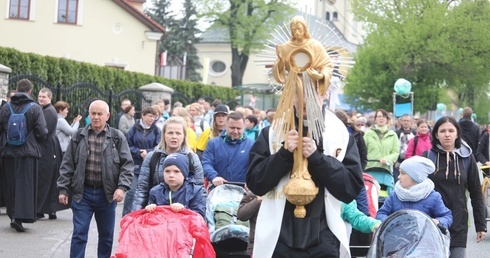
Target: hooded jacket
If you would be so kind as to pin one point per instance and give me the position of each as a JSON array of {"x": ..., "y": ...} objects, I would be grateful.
[
  {"x": 387, "y": 146},
  {"x": 470, "y": 133},
  {"x": 423, "y": 144},
  {"x": 451, "y": 180},
  {"x": 143, "y": 188},
  {"x": 140, "y": 138},
  {"x": 227, "y": 158},
  {"x": 483, "y": 151},
  {"x": 432, "y": 205},
  {"x": 36, "y": 126},
  {"x": 190, "y": 195}
]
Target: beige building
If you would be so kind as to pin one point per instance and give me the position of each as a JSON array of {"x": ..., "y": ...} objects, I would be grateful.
[
  {"x": 339, "y": 13},
  {"x": 214, "y": 52},
  {"x": 112, "y": 33}
]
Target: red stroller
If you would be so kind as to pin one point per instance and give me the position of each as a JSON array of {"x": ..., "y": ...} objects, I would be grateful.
[{"x": 164, "y": 233}]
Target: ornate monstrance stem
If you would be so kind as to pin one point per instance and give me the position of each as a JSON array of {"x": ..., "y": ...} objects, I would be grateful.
[{"x": 300, "y": 189}]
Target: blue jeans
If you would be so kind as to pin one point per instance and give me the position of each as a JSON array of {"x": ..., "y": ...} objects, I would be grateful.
[
  {"x": 129, "y": 196},
  {"x": 93, "y": 201}
]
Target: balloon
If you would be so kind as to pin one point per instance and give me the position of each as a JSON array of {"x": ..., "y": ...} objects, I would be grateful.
[
  {"x": 460, "y": 111},
  {"x": 402, "y": 87},
  {"x": 441, "y": 107},
  {"x": 473, "y": 116}
]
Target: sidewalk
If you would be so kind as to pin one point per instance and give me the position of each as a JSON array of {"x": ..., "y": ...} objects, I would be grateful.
[{"x": 48, "y": 238}]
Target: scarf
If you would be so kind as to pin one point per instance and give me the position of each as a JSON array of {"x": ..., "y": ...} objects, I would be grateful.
[
  {"x": 229, "y": 140},
  {"x": 415, "y": 193}
]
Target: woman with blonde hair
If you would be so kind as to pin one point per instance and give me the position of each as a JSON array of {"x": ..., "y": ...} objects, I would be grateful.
[
  {"x": 191, "y": 132},
  {"x": 196, "y": 111},
  {"x": 174, "y": 140}
]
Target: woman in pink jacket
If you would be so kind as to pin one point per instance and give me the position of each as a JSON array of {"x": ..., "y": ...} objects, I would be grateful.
[{"x": 421, "y": 142}]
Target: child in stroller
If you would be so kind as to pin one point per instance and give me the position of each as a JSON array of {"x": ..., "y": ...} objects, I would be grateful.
[
  {"x": 409, "y": 233},
  {"x": 229, "y": 236},
  {"x": 415, "y": 191},
  {"x": 168, "y": 231}
]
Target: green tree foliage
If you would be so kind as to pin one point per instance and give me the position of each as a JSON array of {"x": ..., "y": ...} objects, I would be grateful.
[
  {"x": 436, "y": 45},
  {"x": 249, "y": 22},
  {"x": 180, "y": 36}
]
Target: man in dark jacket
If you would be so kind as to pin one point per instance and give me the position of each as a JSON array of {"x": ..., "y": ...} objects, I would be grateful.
[
  {"x": 470, "y": 132},
  {"x": 405, "y": 133},
  {"x": 49, "y": 164},
  {"x": 20, "y": 163},
  {"x": 96, "y": 171}
]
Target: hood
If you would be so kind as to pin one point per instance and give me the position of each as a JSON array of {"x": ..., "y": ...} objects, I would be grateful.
[
  {"x": 463, "y": 151},
  {"x": 21, "y": 98}
]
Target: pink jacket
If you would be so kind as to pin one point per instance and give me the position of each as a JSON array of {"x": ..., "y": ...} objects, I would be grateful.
[{"x": 423, "y": 144}]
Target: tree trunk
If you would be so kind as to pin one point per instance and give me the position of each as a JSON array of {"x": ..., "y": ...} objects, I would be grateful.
[{"x": 236, "y": 70}]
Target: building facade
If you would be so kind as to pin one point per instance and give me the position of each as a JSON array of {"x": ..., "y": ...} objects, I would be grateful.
[{"x": 114, "y": 33}]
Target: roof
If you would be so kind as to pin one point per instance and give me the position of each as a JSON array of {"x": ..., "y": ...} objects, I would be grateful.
[
  {"x": 140, "y": 16},
  {"x": 215, "y": 34}
]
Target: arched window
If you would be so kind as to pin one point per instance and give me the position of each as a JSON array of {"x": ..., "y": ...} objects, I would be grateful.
[
  {"x": 335, "y": 16},
  {"x": 327, "y": 15}
]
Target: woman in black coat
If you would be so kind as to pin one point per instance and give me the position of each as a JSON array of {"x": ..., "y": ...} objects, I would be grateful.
[{"x": 456, "y": 172}]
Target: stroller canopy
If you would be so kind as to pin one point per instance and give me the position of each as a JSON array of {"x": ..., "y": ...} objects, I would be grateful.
[
  {"x": 409, "y": 233},
  {"x": 163, "y": 233}
]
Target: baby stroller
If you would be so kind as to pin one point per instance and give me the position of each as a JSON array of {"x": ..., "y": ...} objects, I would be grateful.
[
  {"x": 410, "y": 233},
  {"x": 164, "y": 233},
  {"x": 485, "y": 190},
  {"x": 229, "y": 236},
  {"x": 385, "y": 179}
]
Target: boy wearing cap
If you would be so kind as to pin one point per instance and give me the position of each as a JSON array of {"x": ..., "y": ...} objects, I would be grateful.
[
  {"x": 414, "y": 190},
  {"x": 176, "y": 190}
]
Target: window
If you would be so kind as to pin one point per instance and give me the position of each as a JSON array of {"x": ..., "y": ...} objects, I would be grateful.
[
  {"x": 335, "y": 16},
  {"x": 67, "y": 11},
  {"x": 327, "y": 16},
  {"x": 19, "y": 9},
  {"x": 218, "y": 68}
]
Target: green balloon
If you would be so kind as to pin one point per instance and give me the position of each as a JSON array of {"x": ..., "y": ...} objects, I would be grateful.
[{"x": 441, "y": 107}]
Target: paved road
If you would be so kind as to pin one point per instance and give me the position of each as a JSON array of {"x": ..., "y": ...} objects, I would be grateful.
[
  {"x": 51, "y": 238},
  {"x": 47, "y": 238}
]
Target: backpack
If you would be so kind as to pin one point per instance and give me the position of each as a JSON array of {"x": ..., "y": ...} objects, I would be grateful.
[
  {"x": 17, "y": 126},
  {"x": 372, "y": 192},
  {"x": 156, "y": 157},
  {"x": 225, "y": 214}
]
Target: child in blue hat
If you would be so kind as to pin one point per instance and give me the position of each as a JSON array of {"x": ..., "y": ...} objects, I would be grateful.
[
  {"x": 414, "y": 190},
  {"x": 176, "y": 190}
]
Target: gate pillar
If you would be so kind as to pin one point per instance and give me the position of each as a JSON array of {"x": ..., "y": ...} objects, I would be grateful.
[
  {"x": 4, "y": 80},
  {"x": 155, "y": 91}
]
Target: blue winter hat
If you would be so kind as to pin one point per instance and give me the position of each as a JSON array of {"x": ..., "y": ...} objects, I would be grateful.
[
  {"x": 179, "y": 160},
  {"x": 418, "y": 168}
]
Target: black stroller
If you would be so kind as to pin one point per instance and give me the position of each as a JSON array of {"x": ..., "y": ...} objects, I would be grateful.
[{"x": 410, "y": 233}]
